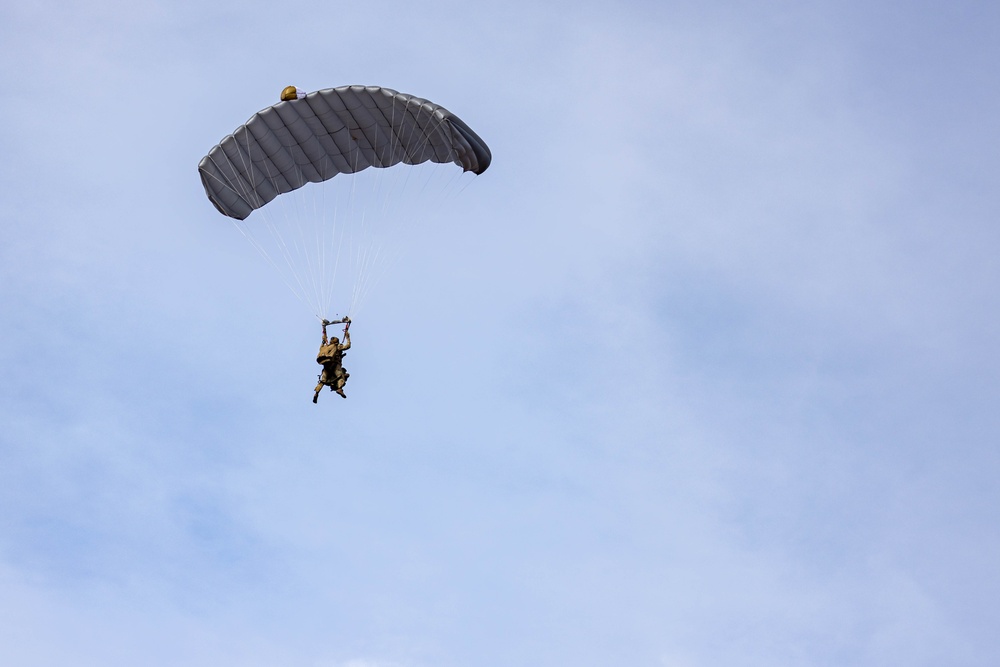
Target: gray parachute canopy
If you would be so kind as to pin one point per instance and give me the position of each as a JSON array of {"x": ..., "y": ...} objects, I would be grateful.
[{"x": 329, "y": 132}]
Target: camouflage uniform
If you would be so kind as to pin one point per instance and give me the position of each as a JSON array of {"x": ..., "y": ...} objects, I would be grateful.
[{"x": 331, "y": 354}]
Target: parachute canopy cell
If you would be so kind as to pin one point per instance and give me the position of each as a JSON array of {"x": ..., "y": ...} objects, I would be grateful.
[{"x": 329, "y": 132}]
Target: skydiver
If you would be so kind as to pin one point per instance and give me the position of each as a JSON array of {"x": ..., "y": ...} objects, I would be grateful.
[{"x": 331, "y": 355}]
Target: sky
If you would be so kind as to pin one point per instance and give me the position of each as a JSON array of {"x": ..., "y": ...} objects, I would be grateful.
[{"x": 702, "y": 371}]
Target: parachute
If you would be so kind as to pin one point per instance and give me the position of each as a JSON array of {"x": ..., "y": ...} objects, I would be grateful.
[{"x": 315, "y": 138}]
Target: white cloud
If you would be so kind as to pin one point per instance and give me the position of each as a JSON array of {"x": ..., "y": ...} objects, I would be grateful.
[{"x": 657, "y": 392}]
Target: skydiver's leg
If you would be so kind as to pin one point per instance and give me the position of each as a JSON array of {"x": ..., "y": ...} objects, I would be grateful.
[
  {"x": 324, "y": 381},
  {"x": 339, "y": 378}
]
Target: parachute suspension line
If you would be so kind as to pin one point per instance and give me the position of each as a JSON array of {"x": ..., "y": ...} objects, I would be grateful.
[
  {"x": 331, "y": 240},
  {"x": 293, "y": 254},
  {"x": 287, "y": 254},
  {"x": 314, "y": 264},
  {"x": 321, "y": 243},
  {"x": 372, "y": 251},
  {"x": 326, "y": 239},
  {"x": 348, "y": 239},
  {"x": 371, "y": 248},
  {"x": 326, "y": 244},
  {"x": 253, "y": 197},
  {"x": 321, "y": 231},
  {"x": 369, "y": 253},
  {"x": 241, "y": 226},
  {"x": 364, "y": 237},
  {"x": 299, "y": 221},
  {"x": 421, "y": 181},
  {"x": 341, "y": 236},
  {"x": 371, "y": 258}
]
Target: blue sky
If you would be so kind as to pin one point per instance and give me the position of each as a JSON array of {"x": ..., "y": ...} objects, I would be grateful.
[{"x": 701, "y": 372}]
